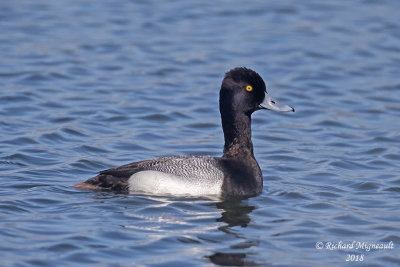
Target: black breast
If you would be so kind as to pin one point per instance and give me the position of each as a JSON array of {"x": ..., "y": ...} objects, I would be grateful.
[{"x": 243, "y": 177}]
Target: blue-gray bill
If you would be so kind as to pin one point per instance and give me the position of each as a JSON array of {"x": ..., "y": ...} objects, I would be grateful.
[{"x": 271, "y": 104}]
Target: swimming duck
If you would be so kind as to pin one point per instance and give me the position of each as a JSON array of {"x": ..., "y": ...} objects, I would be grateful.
[{"x": 236, "y": 173}]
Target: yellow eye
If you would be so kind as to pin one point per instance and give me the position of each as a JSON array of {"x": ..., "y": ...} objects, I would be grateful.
[{"x": 249, "y": 88}]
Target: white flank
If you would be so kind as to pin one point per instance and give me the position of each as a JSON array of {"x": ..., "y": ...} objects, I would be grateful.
[{"x": 156, "y": 182}]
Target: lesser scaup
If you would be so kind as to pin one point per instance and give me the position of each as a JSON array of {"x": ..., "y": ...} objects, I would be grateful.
[{"x": 236, "y": 173}]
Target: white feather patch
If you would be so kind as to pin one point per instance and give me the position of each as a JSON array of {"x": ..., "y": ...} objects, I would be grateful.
[{"x": 156, "y": 182}]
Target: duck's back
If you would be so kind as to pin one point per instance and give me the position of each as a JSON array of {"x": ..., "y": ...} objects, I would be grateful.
[{"x": 192, "y": 175}]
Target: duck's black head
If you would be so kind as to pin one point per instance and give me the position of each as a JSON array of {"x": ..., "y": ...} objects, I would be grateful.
[{"x": 243, "y": 91}]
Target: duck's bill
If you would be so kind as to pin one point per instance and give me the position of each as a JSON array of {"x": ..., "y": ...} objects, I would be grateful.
[{"x": 271, "y": 104}]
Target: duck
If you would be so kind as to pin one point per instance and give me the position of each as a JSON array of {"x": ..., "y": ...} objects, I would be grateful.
[{"x": 235, "y": 174}]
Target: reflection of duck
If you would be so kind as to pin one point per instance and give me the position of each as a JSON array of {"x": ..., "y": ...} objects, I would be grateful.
[
  {"x": 235, "y": 213},
  {"x": 230, "y": 259},
  {"x": 236, "y": 173}
]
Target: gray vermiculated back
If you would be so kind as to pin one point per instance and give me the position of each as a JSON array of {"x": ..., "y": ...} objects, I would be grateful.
[{"x": 188, "y": 167}]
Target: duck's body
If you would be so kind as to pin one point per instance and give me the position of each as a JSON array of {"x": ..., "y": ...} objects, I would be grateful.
[
  {"x": 236, "y": 173},
  {"x": 192, "y": 175}
]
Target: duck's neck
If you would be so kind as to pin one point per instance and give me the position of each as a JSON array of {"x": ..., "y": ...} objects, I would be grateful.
[{"x": 237, "y": 133}]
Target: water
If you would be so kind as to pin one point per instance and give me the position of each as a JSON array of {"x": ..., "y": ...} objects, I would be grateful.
[{"x": 88, "y": 85}]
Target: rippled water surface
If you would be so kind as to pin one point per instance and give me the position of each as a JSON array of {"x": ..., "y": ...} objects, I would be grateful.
[{"x": 88, "y": 85}]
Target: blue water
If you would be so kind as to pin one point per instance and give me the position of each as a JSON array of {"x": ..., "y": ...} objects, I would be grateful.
[{"x": 89, "y": 85}]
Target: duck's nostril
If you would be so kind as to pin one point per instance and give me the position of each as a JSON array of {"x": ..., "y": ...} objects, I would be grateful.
[{"x": 273, "y": 102}]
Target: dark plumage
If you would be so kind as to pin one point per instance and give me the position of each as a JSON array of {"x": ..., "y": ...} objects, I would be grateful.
[{"x": 236, "y": 173}]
